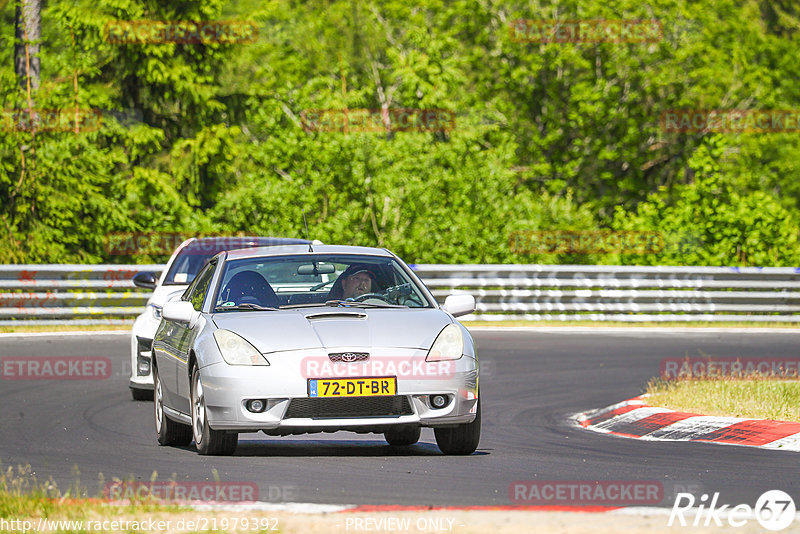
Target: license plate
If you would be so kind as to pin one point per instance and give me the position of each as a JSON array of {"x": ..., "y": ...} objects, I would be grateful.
[{"x": 352, "y": 387}]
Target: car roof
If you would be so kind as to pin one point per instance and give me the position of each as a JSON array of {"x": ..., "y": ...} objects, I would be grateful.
[
  {"x": 258, "y": 240},
  {"x": 215, "y": 244},
  {"x": 289, "y": 250}
]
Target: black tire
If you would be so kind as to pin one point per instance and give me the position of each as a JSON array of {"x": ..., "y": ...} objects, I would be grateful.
[
  {"x": 207, "y": 441},
  {"x": 462, "y": 439},
  {"x": 141, "y": 394},
  {"x": 402, "y": 436},
  {"x": 168, "y": 431}
]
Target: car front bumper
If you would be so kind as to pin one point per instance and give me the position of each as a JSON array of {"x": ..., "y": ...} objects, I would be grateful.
[
  {"x": 290, "y": 409},
  {"x": 142, "y": 333}
]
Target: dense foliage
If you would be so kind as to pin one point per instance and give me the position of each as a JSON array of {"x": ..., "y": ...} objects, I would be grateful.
[{"x": 214, "y": 137}]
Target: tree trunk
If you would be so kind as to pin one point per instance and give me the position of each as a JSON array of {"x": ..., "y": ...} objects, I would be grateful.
[{"x": 27, "y": 32}]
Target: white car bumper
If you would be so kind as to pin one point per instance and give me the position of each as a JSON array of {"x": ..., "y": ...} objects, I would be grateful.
[{"x": 144, "y": 329}]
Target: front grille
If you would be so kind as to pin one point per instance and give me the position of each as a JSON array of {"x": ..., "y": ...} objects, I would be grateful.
[
  {"x": 348, "y": 357},
  {"x": 316, "y": 408}
]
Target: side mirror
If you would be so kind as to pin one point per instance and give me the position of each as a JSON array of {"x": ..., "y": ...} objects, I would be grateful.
[
  {"x": 180, "y": 311},
  {"x": 145, "y": 279},
  {"x": 458, "y": 305}
]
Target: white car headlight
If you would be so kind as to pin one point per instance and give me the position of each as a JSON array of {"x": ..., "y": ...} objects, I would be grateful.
[
  {"x": 156, "y": 312},
  {"x": 449, "y": 345},
  {"x": 236, "y": 350}
]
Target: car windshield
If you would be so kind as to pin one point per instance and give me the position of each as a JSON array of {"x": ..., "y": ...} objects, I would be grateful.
[
  {"x": 194, "y": 256},
  {"x": 186, "y": 266},
  {"x": 316, "y": 280}
]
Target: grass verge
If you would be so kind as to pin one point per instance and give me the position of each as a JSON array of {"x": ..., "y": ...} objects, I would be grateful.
[
  {"x": 757, "y": 398},
  {"x": 24, "y": 501}
]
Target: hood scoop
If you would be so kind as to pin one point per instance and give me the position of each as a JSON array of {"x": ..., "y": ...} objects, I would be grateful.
[{"x": 336, "y": 315}]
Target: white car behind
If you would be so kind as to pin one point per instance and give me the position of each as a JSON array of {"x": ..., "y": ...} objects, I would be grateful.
[{"x": 182, "y": 267}]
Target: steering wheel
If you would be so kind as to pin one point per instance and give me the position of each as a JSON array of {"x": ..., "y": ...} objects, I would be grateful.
[
  {"x": 365, "y": 296},
  {"x": 415, "y": 299},
  {"x": 247, "y": 299}
]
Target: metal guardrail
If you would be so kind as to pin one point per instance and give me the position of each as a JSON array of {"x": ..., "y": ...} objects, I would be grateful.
[
  {"x": 621, "y": 293},
  {"x": 71, "y": 294},
  {"x": 104, "y": 294}
]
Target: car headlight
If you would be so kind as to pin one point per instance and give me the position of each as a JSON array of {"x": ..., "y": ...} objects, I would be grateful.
[
  {"x": 156, "y": 312},
  {"x": 449, "y": 345},
  {"x": 236, "y": 350}
]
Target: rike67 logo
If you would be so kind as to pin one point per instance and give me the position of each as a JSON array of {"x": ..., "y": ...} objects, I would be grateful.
[{"x": 774, "y": 510}]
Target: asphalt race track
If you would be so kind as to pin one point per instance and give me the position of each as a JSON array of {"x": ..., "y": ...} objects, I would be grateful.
[{"x": 531, "y": 382}]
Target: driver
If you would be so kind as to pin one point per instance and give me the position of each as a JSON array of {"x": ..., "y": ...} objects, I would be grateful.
[{"x": 358, "y": 283}]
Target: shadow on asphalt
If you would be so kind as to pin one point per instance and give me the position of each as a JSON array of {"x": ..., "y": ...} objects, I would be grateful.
[{"x": 329, "y": 447}]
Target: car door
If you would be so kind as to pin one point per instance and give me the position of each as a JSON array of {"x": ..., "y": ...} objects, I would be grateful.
[
  {"x": 174, "y": 341},
  {"x": 165, "y": 352},
  {"x": 196, "y": 294}
]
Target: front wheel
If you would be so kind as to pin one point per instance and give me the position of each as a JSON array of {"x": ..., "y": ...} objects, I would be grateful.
[
  {"x": 168, "y": 431},
  {"x": 207, "y": 441},
  {"x": 403, "y": 436},
  {"x": 462, "y": 439}
]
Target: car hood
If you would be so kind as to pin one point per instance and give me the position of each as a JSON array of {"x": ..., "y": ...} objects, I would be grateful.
[{"x": 314, "y": 328}]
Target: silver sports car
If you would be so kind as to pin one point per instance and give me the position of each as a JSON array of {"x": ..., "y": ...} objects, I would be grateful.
[{"x": 314, "y": 338}]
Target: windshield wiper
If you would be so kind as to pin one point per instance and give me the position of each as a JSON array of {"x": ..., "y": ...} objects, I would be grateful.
[
  {"x": 304, "y": 305},
  {"x": 357, "y": 304},
  {"x": 246, "y": 306},
  {"x": 323, "y": 284}
]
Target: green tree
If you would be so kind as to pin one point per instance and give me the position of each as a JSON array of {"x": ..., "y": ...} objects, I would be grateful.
[{"x": 708, "y": 222}]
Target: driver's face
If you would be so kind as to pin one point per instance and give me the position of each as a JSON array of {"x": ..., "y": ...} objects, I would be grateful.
[{"x": 356, "y": 285}]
